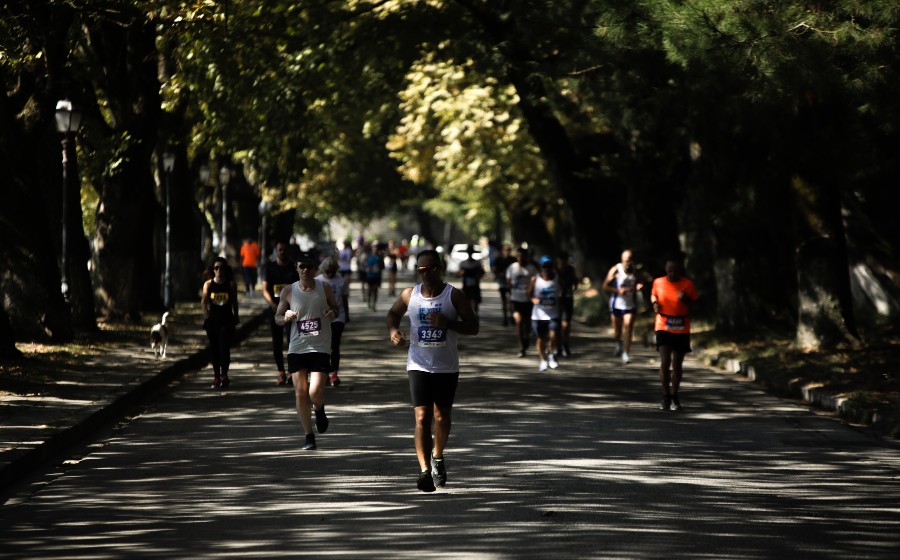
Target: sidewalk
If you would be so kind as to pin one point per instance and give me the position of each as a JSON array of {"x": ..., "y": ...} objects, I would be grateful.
[{"x": 38, "y": 426}]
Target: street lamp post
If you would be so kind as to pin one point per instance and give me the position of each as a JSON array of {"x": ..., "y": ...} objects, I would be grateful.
[
  {"x": 263, "y": 212},
  {"x": 168, "y": 165},
  {"x": 68, "y": 119},
  {"x": 224, "y": 177},
  {"x": 204, "y": 180}
]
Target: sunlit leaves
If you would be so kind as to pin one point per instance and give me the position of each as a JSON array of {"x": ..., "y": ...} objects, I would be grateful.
[{"x": 461, "y": 133}]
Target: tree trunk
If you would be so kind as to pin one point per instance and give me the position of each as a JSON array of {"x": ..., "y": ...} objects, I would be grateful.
[
  {"x": 29, "y": 266},
  {"x": 825, "y": 314},
  {"x": 127, "y": 274}
]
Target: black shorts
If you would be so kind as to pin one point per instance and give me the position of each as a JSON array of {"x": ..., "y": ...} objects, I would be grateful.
[
  {"x": 473, "y": 293},
  {"x": 680, "y": 343},
  {"x": 309, "y": 362},
  {"x": 566, "y": 308},
  {"x": 523, "y": 307},
  {"x": 428, "y": 389}
]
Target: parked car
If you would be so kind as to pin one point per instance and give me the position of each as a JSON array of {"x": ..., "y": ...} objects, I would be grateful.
[{"x": 459, "y": 253}]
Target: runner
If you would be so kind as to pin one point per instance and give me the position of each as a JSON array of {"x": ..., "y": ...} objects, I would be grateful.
[
  {"x": 622, "y": 282},
  {"x": 544, "y": 290},
  {"x": 501, "y": 264},
  {"x": 471, "y": 272},
  {"x": 308, "y": 305},
  {"x": 671, "y": 295},
  {"x": 341, "y": 291},
  {"x": 278, "y": 274},
  {"x": 438, "y": 313},
  {"x": 568, "y": 282},
  {"x": 518, "y": 278}
]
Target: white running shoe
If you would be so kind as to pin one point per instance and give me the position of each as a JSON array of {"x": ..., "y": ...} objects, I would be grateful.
[
  {"x": 542, "y": 366},
  {"x": 624, "y": 358},
  {"x": 551, "y": 359}
]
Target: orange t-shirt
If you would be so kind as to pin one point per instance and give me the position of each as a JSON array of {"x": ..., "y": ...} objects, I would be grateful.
[
  {"x": 673, "y": 313},
  {"x": 249, "y": 255}
]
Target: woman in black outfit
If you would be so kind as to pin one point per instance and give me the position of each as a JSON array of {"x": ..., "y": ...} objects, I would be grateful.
[{"x": 220, "y": 312}]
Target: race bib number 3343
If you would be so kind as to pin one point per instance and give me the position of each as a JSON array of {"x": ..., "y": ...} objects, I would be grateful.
[{"x": 431, "y": 336}]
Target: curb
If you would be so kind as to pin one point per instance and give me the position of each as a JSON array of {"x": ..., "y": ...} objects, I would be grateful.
[
  {"x": 105, "y": 412},
  {"x": 809, "y": 392}
]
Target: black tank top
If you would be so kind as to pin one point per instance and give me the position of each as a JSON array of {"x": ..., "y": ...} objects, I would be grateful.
[{"x": 220, "y": 304}]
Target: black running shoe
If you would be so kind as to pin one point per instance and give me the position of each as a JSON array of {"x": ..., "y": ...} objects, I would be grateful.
[
  {"x": 438, "y": 472},
  {"x": 425, "y": 482},
  {"x": 310, "y": 442},
  {"x": 676, "y": 404},
  {"x": 225, "y": 382},
  {"x": 321, "y": 422},
  {"x": 666, "y": 403}
]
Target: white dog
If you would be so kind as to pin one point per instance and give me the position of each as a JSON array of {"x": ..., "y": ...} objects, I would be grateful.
[{"x": 159, "y": 337}]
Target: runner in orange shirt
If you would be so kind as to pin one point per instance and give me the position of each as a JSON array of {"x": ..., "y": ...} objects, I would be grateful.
[
  {"x": 250, "y": 253},
  {"x": 671, "y": 296}
]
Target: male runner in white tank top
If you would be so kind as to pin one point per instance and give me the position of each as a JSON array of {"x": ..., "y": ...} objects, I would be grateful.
[
  {"x": 309, "y": 307},
  {"x": 438, "y": 313}
]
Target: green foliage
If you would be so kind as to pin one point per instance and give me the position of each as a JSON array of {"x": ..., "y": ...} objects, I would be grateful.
[{"x": 463, "y": 134}]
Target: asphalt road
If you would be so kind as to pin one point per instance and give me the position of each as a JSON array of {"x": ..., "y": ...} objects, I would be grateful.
[{"x": 572, "y": 463}]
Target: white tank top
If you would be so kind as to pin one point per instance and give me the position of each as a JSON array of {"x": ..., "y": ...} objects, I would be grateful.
[
  {"x": 339, "y": 289},
  {"x": 547, "y": 292},
  {"x": 431, "y": 349},
  {"x": 628, "y": 301},
  {"x": 310, "y": 332}
]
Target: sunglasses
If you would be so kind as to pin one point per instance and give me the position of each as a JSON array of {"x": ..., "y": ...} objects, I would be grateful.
[
  {"x": 305, "y": 266},
  {"x": 217, "y": 267},
  {"x": 426, "y": 268}
]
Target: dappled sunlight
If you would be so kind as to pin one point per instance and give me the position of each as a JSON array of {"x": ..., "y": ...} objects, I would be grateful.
[{"x": 577, "y": 462}]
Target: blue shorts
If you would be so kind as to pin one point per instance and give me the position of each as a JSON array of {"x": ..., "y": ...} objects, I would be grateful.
[
  {"x": 621, "y": 312},
  {"x": 541, "y": 328}
]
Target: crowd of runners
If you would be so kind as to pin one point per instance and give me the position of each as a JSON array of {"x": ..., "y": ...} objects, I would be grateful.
[{"x": 308, "y": 302}]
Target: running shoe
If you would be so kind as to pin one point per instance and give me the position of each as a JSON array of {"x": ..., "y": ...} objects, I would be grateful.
[
  {"x": 282, "y": 378},
  {"x": 542, "y": 366},
  {"x": 551, "y": 360},
  {"x": 666, "y": 403},
  {"x": 566, "y": 351},
  {"x": 310, "y": 442},
  {"x": 217, "y": 382},
  {"x": 321, "y": 422},
  {"x": 618, "y": 348},
  {"x": 335, "y": 380},
  {"x": 521, "y": 353},
  {"x": 625, "y": 358},
  {"x": 225, "y": 382},
  {"x": 438, "y": 471},
  {"x": 676, "y": 404},
  {"x": 425, "y": 482}
]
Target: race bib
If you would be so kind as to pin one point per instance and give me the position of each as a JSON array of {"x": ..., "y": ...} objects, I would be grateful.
[
  {"x": 675, "y": 323},
  {"x": 547, "y": 297},
  {"x": 432, "y": 336},
  {"x": 218, "y": 298},
  {"x": 309, "y": 327}
]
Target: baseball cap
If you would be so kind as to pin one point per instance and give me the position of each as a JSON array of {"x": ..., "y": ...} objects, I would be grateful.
[
  {"x": 546, "y": 260},
  {"x": 306, "y": 257}
]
